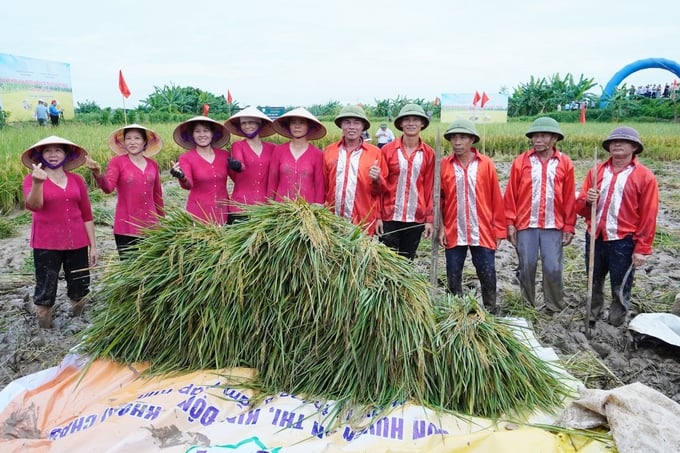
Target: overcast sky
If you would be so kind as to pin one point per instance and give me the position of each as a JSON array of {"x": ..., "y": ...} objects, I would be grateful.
[{"x": 304, "y": 52}]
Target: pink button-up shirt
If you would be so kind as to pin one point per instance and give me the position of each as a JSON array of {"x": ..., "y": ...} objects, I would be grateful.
[
  {"x": 290, "y": 177},
  {"x": 250, "y": 185},
  {"x": 60, "y": 223},
  {"x": 207, "y": 184},
  {"x": 140, "y": 196}
]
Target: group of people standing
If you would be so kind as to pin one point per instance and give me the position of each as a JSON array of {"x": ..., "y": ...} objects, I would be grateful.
[
  {"x": 388, "y": 190},
  {"x": 43, "y": 111},
  {"x": 393, "y": 196}
]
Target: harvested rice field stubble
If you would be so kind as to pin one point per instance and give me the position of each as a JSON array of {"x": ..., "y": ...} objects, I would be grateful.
[{"x": 607, "y": 360}]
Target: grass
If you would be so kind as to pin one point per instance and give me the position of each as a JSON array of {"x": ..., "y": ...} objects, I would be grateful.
[
  {"x": 515, "y": 306},
  {"x": 667, "y": 239},
  {"x": 6, "y": 228},
  {"x": 589, "y": 369}
]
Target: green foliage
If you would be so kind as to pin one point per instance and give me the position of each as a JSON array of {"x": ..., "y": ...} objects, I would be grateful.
[
  {"x": 7, "y": 228},
  {"x": 325, "y": 111},
  {"x": 539, "y": 96},
  {"x": 102, "y": 215},
  {"x": 3, "y": 118},
  {"x": 87, "y": 107},
  {"x": 186, "y": 100},
  {"x": 389, "y": 108}
]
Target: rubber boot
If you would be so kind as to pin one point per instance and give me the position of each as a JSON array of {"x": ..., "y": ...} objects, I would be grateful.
[
  {"x": 77, "y": 307},
  {"x": 44, "y": 315}
]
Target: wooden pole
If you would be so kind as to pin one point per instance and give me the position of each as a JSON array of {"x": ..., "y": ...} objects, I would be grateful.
[
  {"x": 124, "y": 111},
  {"x": 434, "y": 258},
  {"x": 591, "y": 254}
]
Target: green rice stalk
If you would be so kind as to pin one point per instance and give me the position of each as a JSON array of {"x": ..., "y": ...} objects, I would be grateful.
[{"x": 489, "y": 372}]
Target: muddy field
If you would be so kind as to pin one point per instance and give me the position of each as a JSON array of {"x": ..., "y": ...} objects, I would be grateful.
[{"x": 610, "y": 358}]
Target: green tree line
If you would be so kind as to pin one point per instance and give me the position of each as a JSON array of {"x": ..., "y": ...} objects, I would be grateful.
[{"x": 538, "y": 96}]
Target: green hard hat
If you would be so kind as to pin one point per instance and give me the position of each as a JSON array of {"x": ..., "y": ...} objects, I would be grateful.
[
  {"x": 462, "y": 126},
  {"x": 545, "y": 124},
  {"x": 411, "y": 110},
  {"x": 352, "y": 111}
]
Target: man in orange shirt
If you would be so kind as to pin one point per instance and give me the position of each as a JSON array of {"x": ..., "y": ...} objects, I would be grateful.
[
  {"x": 472, "y": 211},
  {"x": 407, "y": 206},
  {"x": 627, "y": 206},
  {"x": 539, "y": 210},
  {"x": 354, "y": 171}
]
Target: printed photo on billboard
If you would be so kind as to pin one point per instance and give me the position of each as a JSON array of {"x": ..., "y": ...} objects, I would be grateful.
[
  {"x": 478, "y": 107},
  {"x": 25, "y": 81}
]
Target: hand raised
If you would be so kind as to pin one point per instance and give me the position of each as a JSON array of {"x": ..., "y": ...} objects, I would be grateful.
[
  {"x": 374, "y": 171},
  {"x": 38, "y": 173},
  {"x": 92, "y": 165}
]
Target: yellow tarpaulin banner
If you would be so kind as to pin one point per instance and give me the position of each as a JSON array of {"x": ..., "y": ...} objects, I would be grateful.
[{"x": 112, "y": 408}]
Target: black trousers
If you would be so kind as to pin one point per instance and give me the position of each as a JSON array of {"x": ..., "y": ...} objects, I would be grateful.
[
  {"x": 402, "y": 237},
  {"x": 124, "y": 242},
  {"x": 48, "y": 263}
]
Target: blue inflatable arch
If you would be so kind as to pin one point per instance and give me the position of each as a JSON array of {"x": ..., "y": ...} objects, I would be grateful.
[{"x": 648, "y": 63}]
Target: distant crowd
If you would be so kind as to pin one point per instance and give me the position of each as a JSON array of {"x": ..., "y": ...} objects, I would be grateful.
[{"x": 653, "y": 91}]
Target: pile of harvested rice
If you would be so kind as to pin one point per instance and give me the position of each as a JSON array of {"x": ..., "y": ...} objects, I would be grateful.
[{"x": 317, "y": 308}]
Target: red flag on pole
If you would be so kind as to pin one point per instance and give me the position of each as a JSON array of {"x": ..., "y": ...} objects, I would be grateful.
[
  {"x": 229, "y": 98},
  {"x": 476, "y": 99},
  {"x": 206, "y": 109},
  {"x": 122, "y": 86},
  {"x": 582, "y": 119},
  {"x": 485, "y": 99}
]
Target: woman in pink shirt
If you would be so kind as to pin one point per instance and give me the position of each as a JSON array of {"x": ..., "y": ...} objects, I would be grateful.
[
  {"x": 136, "y": 179},
  {"x": 249, "y": 163},
  {"x": 296, "y": 168},
  {"x": 62, "y": 229},
  {"x": 203, "y": 169}
]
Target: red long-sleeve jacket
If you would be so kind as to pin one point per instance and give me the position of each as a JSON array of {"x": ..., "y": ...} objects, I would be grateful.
[
  {"x": 409, "y": 183},
  {"x": 350, "y": 191},
  {"x": 628, "y": 204},
  {"x": 471, "y": 201},
  {"x": 541, "y": 194}
]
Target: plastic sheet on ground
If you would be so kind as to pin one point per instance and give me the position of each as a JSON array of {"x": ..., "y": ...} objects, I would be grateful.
[
  {"x": 113, "y": 408},
  {"x": 664, "y": 326}
]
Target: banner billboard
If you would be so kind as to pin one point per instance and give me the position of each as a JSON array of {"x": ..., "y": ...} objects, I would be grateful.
[
  {"x": 476, "y": 107},
  {"x": 23, "y": 81}
]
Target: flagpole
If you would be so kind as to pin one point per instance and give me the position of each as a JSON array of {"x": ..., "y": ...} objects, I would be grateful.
[{"x": 124, "y": 111}]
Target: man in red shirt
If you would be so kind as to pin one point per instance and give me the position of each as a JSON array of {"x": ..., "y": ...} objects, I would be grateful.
[
  {"x": 627, "y": 197},
  {"x": 354, "y": 171},
  {"x": 472, "y": 211},
  {"x": 407, "y": 206},
  {"x": 539, "y": 210}
]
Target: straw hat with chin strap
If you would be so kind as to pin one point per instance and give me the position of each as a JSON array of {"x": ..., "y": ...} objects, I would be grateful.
[
  {"x": 233, "y": 124},
  {"x": 153, "y": 141},
  {"x": 282, "y": 124},
  {"x": 183, "y": 133},
  {"x": 75, "y": 154}
]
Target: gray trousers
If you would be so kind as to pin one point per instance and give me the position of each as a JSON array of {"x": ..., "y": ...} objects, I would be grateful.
[{"x": 548, "y": 243}]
